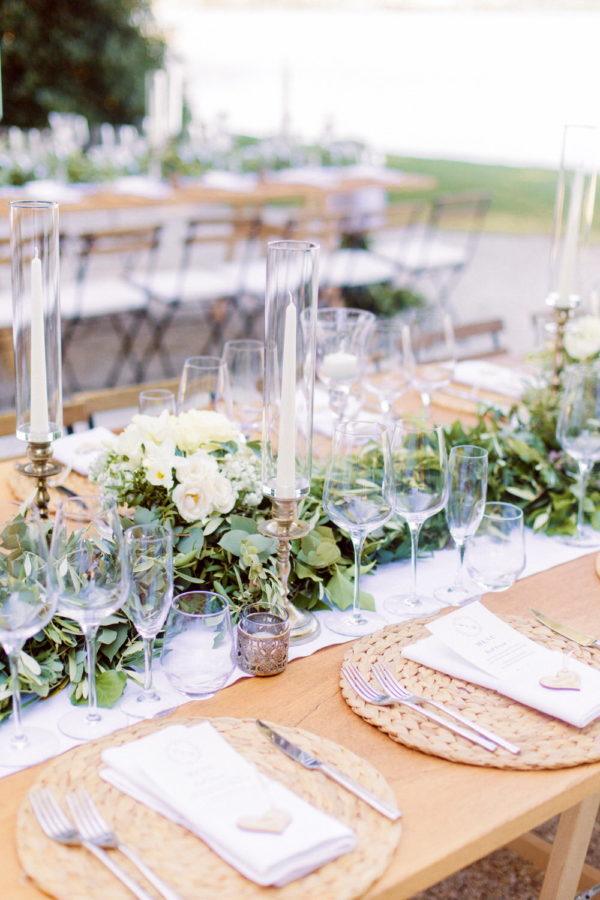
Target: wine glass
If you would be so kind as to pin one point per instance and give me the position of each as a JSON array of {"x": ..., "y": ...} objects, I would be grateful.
[
  {"x": 420, "y": 468},
  {"x": 429, "y": 351},
  {"x": 467, "y": 491},
  {"x": 149, "y": 550},
  {"x": 244, "y": 361},
  {"x": 202, "y": 384},
  {"x": 358, "y": 497},
  {"x": 27, "y": 603},
  {"x": 385, "y": 375},
  {"x": 495, "y": 555},
  {"x": 578, "y": 432},
  {"x": 341, "y": 336},
  {"x": 156, "y": 401},
  {"x": 92, "y": 584}
]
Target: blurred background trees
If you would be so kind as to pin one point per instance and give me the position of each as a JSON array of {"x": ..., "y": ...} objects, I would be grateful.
[{"x": 88, "y": 57}]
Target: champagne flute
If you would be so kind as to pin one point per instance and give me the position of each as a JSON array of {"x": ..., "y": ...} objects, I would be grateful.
[
  {"x": 27, "y": 603},
  {"x": 358, "y": 497},
  {"x": 245, "y": 363},
  {"x": 421, "y": 480},
  {"x": 467, "y": 491},
  {"x": 578, "y": 432},
  {"x": 429, "y": 351},
  {"x": 495, "y": 554},
  {"x": 92, "y": 585},
  {"x": 386, "y": 377},
  {"x": 149, "y": 550},
  {"x": 202, "y": 384}
]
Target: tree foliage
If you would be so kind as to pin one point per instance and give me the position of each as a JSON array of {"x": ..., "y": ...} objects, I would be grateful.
[{"x": 79, "y": 56}]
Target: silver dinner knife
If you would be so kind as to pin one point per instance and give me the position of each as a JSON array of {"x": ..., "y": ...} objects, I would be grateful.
[{"x": 311, "y": 762}]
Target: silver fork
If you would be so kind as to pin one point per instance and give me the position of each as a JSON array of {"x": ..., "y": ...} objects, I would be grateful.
[
  {"x": 96, "y": 830},
  {"x": 390, "y": 684},
  {"x": 368, "y": 693},
  {"x": 58, "y": 828}
]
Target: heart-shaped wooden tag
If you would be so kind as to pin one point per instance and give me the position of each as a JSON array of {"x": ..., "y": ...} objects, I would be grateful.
[
  {"x": 564, "y": 680},
  {"x": 273, "y": 821}
]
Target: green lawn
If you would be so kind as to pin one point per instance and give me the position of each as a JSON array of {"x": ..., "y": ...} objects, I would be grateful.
[{"x": 522, "y": 199}]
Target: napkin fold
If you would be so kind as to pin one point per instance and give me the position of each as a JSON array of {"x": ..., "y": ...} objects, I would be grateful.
[
  {"x": 489, "y": 376},
  {"x": 194, "y": 777},
  {"x": 524, "y": 663},
  {"x": 79, "y": 451}
]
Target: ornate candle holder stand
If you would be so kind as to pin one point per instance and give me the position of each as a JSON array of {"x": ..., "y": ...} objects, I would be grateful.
[
  {"x": 285, "y": 527},
  {"x": 41, "y": 466},
  {"x": 562, "y": 313}
]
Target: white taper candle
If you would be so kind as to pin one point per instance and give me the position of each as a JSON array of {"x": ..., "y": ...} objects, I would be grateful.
[
  {"x": 285, "y": 486},
  {"x": 38, "y": 423},
  {"x": 568, "y": 262}
]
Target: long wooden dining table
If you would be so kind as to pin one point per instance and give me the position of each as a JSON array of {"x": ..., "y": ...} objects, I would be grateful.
[{"x": 453, "y": 814}]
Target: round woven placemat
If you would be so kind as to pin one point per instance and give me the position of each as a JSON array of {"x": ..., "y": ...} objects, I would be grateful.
[
  {"x": 545, "y": 743},
  {"x": 182, "y": 859}
]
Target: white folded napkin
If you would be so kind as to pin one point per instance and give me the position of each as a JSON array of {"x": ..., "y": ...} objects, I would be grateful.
[
  {"x": 193, "y": 776},
  {"x": 50, "y": 189},
  {"x": 229, "y": 181},
  {"x": 513, "y": 667},
  {"x": 79, "y": 451},
  {"x": 491, "y": 377}
]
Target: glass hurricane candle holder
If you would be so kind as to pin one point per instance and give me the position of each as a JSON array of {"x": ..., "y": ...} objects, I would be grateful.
[
  {"x": 36, "y": 320},
  {"x": 573, "y": 216},
  {"x": 291, "y": 298}
]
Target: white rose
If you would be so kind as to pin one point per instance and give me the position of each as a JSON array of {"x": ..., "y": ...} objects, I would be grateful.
[
  {"x": 158, "y": 463},
  {"x": 155, "y": 429},
  {"x": 198, "y": 466},
  {"x": 582, "y": 337},
  {"x": 193, "y": 500},
  {"x": 197, "y": 428},
  {"x": 223, "y": 494},
  {"x": 130, "y": 444}
]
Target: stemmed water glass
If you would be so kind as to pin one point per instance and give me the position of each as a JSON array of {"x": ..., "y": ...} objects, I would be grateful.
[
  {"x": 385, "y": 374},
  {"x": 358, "y": 497},
  {"x": 429, "y": 351},
  {"x": 420, "y": 467},
  {"x": 341, "y": 339},
  {"x": 467, "y": 491},
  {"x": 202, "y": 384},
  {"x": 245, "y": 363},
  {"x": 495, "y": 555},
  {"x": 27, "y": 603},
  {"x": 92, "y": 582},
  {"x": 149, "y": 550},
  {"x": 155, "y": 401},
  {"x": 578, "y": 432}
]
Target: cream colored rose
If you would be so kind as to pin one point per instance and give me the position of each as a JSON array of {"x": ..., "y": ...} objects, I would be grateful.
[
  {"x": 193, "y": 500},
  {"x": 200, "y": 428},
  {"x": 158, "y": 463},
  {"x": 156, "y": 429},
  {"x": 223, "y": 494},
  {"x": 198, "y": 465},
  {"x": 130, "y": 444},
  {"x": 582, "y": 337}
]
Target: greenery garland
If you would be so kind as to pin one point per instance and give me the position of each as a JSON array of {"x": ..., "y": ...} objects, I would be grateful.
[{"x": 526, "y": 467}]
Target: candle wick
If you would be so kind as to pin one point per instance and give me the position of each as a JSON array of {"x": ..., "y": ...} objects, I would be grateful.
[
  {"x": 35, "y": 252},
  {"x": 291, "y": 296}
]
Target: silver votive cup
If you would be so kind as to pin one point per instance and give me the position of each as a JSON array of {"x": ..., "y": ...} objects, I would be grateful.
[{"x": 263, "y": 640}]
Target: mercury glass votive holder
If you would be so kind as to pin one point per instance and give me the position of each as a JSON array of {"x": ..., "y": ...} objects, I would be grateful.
[{"x": 263, "y": 640}]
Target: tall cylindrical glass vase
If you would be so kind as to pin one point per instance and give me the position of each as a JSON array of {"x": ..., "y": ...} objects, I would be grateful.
[{"x": 36, "y": 320}]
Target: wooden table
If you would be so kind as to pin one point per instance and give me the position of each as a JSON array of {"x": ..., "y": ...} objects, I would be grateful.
[
  {"x": 453, "y": 814},
  {"x": 264, "y": 192}
]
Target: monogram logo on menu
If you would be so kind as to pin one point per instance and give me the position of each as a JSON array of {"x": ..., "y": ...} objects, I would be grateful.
[
  {"x": 183, "y": 752},
  {"x": 467, "y": 626}
]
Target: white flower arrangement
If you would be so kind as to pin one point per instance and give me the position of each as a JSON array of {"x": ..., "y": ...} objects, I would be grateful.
[{"x": 582, "y": 338}]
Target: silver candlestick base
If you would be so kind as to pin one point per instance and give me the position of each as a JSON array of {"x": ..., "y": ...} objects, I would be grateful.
[
  {"x": 41, "y": 466},
  {"x": 562, "y": 314},
  {"x": 284, "y": 527}
]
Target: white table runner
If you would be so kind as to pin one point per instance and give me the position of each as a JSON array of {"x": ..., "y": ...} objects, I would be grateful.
[{"x": 436, "y": 571}]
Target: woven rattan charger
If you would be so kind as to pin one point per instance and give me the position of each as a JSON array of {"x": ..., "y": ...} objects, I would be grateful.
[
  {"x": 182, "y": 859},
  {"x": 545, "y": 743}
]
